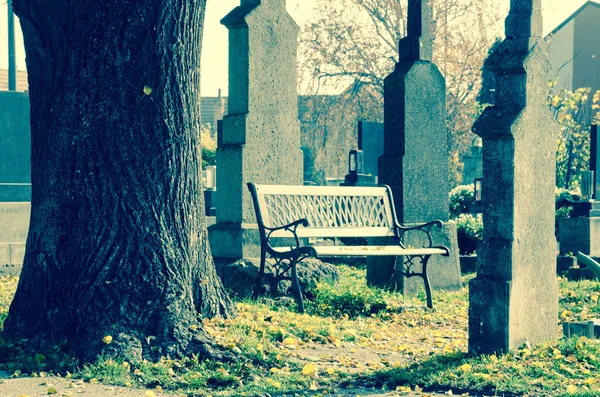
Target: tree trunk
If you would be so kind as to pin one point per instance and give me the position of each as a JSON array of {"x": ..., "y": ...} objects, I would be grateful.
[{"x": 117, "y": 242}]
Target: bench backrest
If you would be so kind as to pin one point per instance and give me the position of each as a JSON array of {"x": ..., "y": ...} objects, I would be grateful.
[{"x": 331, "y": 211}]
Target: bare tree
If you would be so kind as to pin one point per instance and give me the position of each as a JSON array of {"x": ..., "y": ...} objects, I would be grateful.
[
  {"x": 117, "y": 259},
  {"x": 355, "y": 43}
]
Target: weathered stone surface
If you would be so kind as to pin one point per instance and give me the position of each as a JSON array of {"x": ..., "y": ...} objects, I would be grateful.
[
  {"x": 514, "y": 297},
  {"x": 261, "y": 134},
  {"x": 239, "y": 277},
  {"x": 415, "y": 159},
  {"x": 579, "y": 235}
]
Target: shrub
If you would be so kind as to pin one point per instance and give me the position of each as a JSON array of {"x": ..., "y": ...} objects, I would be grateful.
[
  {"x": 209, "y": 147},
  {"x": 469, "y": 229},
  {"x": 350, "y": 296},
  {"x": 461, "y": 198}
]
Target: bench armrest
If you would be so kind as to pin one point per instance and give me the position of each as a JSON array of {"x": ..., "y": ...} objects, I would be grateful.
[
  {"x": 424, "y": 228},
  {"x": 292, "y": 227}
]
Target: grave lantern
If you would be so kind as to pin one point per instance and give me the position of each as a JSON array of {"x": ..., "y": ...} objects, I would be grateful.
[
  {"x": 356, "y": 169},
  {"x": 211, "y": 177},
  {"x": 355, "y": 162},
  {"x": 587, "y": 185},
  {"x": 477, "y": 192}
]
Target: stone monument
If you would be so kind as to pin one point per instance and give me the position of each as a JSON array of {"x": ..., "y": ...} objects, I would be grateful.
[
  {"x": 15, "y": 180},
  {"x": 580, "y": 232},
  {"x": 415, "y": 159},
  {"x": 473, "y": 162},
  {"x": 261, "y": 133},
  {"x": 513, "y": 299}
]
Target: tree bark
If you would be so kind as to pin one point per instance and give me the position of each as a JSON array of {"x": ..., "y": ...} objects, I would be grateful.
[{"x": 117, "y": 242}]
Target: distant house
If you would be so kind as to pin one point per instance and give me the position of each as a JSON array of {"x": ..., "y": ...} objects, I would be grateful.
[
  {"x": 574, "y": 49},
  {"x": 213, "y": 109},
  {"x": 21, "y": 80}
]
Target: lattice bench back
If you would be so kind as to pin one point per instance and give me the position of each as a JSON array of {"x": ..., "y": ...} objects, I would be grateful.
[{"x": 330, "y": 211}]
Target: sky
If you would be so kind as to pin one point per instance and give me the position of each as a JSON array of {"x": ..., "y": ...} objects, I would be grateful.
[{"x": 214, "y": 52}]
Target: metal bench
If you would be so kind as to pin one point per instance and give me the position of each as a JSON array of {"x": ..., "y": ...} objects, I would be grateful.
[{"x": 300, "y": 212}]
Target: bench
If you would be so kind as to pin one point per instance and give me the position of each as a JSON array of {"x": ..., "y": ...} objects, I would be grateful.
[{"x": 299, "y": 213}]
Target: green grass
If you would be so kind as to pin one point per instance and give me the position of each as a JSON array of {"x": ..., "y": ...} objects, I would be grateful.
[{"x": 269, "y": 340}]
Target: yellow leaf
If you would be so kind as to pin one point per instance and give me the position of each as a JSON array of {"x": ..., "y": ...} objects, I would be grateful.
[
  {"x": 466, "y": 367},
  {"x": 147, "y": 90},
  {"x": 571, "y": 389},
  {"x": 310, "y": 370},
  {"x": 24, "y": 395},
  {"x": 589, "y": 381},
  {"x": 52, "y": 391},
  {"x": 107, "y": 339},
  {"x": 565, "y": 314},
  {"x": 290, "y": 342}
]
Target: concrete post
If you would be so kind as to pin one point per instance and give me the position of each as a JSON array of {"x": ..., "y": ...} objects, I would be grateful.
[
  {"x": 415, "y": 159},
  {"x": 261, "y": 133},
  {"x": 513, "y": 299}
]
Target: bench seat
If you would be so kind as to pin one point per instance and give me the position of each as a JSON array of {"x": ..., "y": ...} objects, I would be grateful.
[
  {"x": 298, "y": 213},
  {"x": 322, "y": 251}
]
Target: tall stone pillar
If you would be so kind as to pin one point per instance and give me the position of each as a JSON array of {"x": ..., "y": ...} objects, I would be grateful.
[
  {"x": 513, "y": 299},
  {"x": 261, "y": 133},
  {"x": 415, "y": 159}
]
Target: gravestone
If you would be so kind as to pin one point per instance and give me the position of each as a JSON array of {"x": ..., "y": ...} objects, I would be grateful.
[
  {"x": 370, "y": 141},
  {"x": 415, "y": 159},
  {"x": 15, "y": 147},
  {"x": 595, "y": 158},
  {"x": 15, "y": 180},
  {"x": 261, "y": 134},
  {"x": 14, "y": 221},
  {"x": 580, "y": 232},
  {"x": 473, "y": 163},
  {"x": 513, "y": 299}
]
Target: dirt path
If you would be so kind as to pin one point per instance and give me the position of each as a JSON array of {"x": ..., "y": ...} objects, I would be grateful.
[
  {"x": 33, "y": 387},
  {"x": 37, "y": 387}
]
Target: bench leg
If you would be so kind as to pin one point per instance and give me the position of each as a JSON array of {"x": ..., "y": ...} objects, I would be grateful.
[
  {"x": 296, "y": 287},
  {"x": 261, "y": 274},
  {"x": 427, "y": 284}
]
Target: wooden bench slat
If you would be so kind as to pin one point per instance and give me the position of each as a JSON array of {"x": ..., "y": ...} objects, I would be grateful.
[
  {"x": 321, "y": 190},
  {"x": 357, "y": 250},
  {"x": 363, "y": 250},
  {"x": 337, "y": 232}
]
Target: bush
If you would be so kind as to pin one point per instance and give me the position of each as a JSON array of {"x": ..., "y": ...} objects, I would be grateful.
[
  {"x": 209, "y": 147},
  {"x": 461, "y": 199},
  {"x": 350, "y": 296},
  {"x": 469, "y": 229}
]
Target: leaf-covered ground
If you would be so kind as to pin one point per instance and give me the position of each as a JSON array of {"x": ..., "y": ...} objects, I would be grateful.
[{"x": 352, "y": 337}]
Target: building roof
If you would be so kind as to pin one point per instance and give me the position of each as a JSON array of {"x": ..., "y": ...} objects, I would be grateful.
[{"x": 574, "y": 15}]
